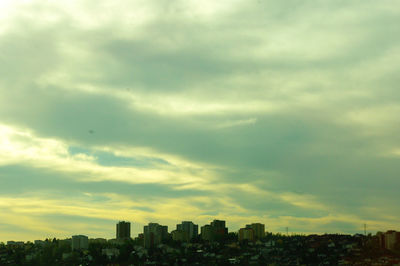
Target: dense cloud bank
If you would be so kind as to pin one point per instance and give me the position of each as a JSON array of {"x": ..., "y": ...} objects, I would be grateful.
[{"x": 272, "y": 111}]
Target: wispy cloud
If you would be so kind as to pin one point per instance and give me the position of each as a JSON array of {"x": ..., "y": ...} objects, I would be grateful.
[{"x": 238, "y": 122}]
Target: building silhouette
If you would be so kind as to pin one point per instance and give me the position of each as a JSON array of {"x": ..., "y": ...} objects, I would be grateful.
[
  {"x": 207, "y": 233},
  {"x": 123, "y": 230},
  {"x": 389, "y": 240},
  {"x": 179, "y": 235},
  {"x": 214, "y": 231},
  {"x": 246, "y": 234},
  {"x": 154, "y": 234},
  {"x": 191, "y": 229},
  {"x": 258, "y": 229}
]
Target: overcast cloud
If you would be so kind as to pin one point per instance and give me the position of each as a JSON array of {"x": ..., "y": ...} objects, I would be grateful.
[{"x": 280, "y": 112}]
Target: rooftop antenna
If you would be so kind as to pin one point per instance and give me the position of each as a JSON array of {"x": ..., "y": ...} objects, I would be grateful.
[
  {"x": 287, "y": 230},
  {"x": 365, "y": 229}
]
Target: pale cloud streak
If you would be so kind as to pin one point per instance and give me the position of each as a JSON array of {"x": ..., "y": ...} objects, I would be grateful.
[{"x": 22, "y": 147}]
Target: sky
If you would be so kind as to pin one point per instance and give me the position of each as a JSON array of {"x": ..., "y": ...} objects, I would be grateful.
[{"x": 279, "y": 112}]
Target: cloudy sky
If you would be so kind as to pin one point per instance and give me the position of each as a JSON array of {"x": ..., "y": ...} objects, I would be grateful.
[{"x": 280, "y": 112}]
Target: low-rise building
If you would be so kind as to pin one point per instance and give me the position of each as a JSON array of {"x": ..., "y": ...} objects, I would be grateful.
[
  {"x": 39, "y": 242},
  {"x": 98, "y": 240},
  {"x": 110, "y": 252},
  {"x": 15, "y": 243},
  {"x": 79, "y": 242}
]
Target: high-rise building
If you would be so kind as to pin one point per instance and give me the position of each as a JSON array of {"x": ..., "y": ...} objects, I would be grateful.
[
  {"x": 191, "y": 229},
  {"x": 259, "y": 230},
  {"x": 389, "y": 240},
  {"x": 179, "y": 235},
  {"x": 216, "y": 230},
  {"x": 79, "y": 242},
  {"x": 207, "y": 233},
  {"x": 381, "y": 238},
  {"x": 154, "y": 234},
  {"x": 219, "y": 226},
  {"x": 123, "y": 230},
  {"x": 246, "y": 234}
]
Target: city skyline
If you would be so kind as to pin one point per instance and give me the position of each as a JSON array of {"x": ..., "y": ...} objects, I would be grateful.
[
  {"x": 214, "y": 246},
  {"x": 140, "y": 229},
  {"x": 278, "y": 112}
]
